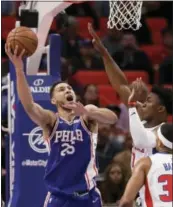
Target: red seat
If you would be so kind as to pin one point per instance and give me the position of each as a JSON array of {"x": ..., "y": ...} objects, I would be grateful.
[
  {"x": 154, "y": 52},
  {"x": 107, "y": 95},
  {"x": 156, "y": 37},
  {"x": 8, "y": 23},
  {"x": 156, "y": 24},
  {"x": 103, "y": 26},
  {"x": 83, "y": 26},
  {"x": 133, "y": 75},
  {"x": 91, "y": 77},
  {"x": 170, "y": 119}
]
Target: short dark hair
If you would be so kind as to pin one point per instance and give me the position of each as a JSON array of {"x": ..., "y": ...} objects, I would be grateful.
[
  {"x": 165, "y": 96},
  {"x": 53, "y": 87},
  {"x": 167, "y": 131}
]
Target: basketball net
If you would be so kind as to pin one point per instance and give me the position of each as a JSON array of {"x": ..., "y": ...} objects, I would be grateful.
[{"x": 125, "y": 14}]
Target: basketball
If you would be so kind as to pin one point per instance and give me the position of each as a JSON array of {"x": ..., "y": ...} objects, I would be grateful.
[{"x": 25, "y": 38}]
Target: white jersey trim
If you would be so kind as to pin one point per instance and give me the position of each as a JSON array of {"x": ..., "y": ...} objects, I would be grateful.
[{"x": 92, "y": 170}]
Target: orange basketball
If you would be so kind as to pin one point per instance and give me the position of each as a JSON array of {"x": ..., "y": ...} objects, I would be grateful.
[{"x": 25, "y": 38}]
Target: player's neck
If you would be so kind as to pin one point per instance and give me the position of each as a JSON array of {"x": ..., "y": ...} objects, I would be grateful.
[
  {"x": 153, "y": 123},
  {"x": 164, "y": 150},
  {"x": 66, "y": 114}
]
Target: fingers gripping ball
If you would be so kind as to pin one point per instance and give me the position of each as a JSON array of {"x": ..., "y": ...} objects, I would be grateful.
[{"x": 24, "y": 38}]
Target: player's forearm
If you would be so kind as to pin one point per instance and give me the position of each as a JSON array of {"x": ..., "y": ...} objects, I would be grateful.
[
  {"x": 132, "y": 188},
  {"x": 126, "y": 203},
  {"x": 116, "y": 76},
  {"x": 140, "y": 135},
  {"x": 23, "y": 90},
  {"x": 103, "y": 115}
]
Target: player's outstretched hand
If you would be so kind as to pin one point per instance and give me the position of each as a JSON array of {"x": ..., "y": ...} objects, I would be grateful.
[
  {"x": 140, "y": 90},
  {"x": 98, "y": 45},
  {"x": 77, "y": 108},
  {"x": 136, "y": 93},
  {"x": 15, "y": 59}
]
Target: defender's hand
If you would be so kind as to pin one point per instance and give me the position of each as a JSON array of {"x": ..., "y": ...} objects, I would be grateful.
[
  {"x": 77, "y": 108},
  {"x": 16, "y": 60},
  {"x": 98, "y": 45},
  {"x": 140, "y": 90}
]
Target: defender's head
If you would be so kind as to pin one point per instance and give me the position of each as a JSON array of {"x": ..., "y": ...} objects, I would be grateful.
[
  {"x": 165, "y": 137},
  {"x": 61, "y": 93},
  {"x": 158, "y": 104}
]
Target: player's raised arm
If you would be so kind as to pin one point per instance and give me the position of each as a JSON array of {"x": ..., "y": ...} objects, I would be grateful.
[
  {"x": 116, "y": 76},
  {"x": 39, "y": 115},
  {"x": 136, "y": 181},
  {"x": 92, "y": 112}
]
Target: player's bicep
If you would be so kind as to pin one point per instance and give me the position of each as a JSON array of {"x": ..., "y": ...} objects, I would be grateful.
[{"x": 41, "y": 116}]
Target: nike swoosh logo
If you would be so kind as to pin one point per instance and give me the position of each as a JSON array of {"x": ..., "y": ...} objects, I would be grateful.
[
  {"x": 94, "y": 201},
  {"x": 132, "y": 113}
]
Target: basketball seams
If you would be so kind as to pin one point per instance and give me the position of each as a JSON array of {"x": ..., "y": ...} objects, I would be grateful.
[
  {"x": 31, "y": 39},
  {"x": 24, "y": 46},
  {"x": 26, "y": 30},
  {"x": 14, "y": 37}
]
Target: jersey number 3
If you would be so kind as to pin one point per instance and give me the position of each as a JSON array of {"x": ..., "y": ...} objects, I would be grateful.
[{"x": 167, "y": 188}]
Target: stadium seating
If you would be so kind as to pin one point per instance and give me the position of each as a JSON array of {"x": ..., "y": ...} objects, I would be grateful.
[
  {"x": 7, "y": 24},
  {"x": 103, "y": 26},
  {"x": 132, "y": 75},
  {"x": 100, "y": 77},
  {"x": 156, "y": 25},
  {"x": 91, "y": 77},
  {"x": 107, "y": 95},
  {"x": 83, "y": 25},
  {"x": 154, "y": 52}
]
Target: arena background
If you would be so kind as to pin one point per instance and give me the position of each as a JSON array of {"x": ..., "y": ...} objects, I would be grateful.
[{"x": 150, "y": 49}]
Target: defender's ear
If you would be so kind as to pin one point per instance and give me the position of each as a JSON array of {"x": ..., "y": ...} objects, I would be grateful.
[{"x": 161, "y": 108}]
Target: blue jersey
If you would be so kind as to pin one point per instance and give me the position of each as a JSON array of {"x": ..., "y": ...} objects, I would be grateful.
[{"x": 71, "y": 165}]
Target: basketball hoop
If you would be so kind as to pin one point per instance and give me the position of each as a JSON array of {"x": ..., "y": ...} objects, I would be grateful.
[{"x": 125, "y": 14}]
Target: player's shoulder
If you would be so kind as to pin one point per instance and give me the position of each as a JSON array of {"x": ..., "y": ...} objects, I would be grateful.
[
  {"x": 144, "y": 162},
  {"x": 52, "y": 113},
  {"x": 53, "y": 116}
]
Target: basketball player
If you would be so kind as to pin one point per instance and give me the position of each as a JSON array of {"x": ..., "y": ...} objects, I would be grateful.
[
  {"x": 153, "y": 108},
  {"x": 153, "y": 112},
  {"x": 72, "y": 138},
  {"x": 155, "y": 172}
]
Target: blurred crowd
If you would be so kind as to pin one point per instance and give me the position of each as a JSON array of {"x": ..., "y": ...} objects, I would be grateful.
[{"x": 78, "y": 53}]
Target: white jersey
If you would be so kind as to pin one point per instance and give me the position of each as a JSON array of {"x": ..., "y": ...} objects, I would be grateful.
[
  {"x": 158, "y": 186},
  {"x": 138, "y": 153},
  {"x": 144, "y": 142}
]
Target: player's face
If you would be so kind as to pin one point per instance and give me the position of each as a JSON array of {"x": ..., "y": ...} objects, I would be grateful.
[
  {"x": 151, "y": 107},
  {"x": 115, "y": 174},
  {"x": 63, "y": 93}
]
